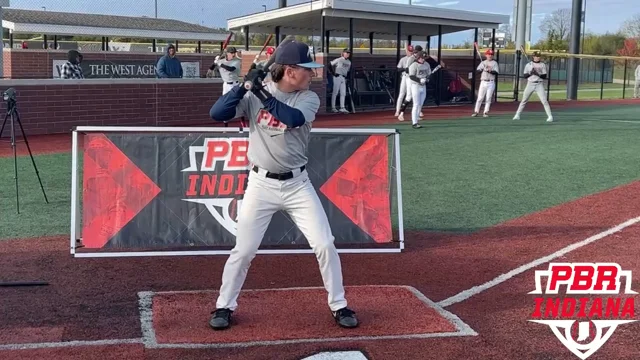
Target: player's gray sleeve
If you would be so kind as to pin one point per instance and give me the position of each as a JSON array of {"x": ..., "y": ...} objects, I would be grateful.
[
  {"x": 410, "y": 61},
  {"x": 543, "y": 68},
  {"x": 527, "y": 68},
  {"x": 400, "y": 63},
  {"x": 480, "y": 66},
  {"x": 335, "y": 61},
  {"x": 308, "y": 103}
]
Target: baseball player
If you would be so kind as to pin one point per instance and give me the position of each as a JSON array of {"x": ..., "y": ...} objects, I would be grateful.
[
  {"x": 340, "y": 70},
  {"x": 535, "y": 72},
  {"x": 419, "y": 73},
  {"x": 280, "y": 115},
  {"x": 229, "y": 68},
  {"x": 404, "y": 101},
  {"x": 636, "y": 89},
  {"x": 257, "y": 64},
  {"x": 489, "y": 69}
]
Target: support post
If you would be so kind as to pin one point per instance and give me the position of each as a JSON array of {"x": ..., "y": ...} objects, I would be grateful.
[
  {"x": 350, "y": 78},
  {"x": 429, "y": 44},
  {"x": 176, "y": 45},
  {"x": 493, "y": 48},
  {"x": 44, "y": 40},
  {"x": 473, "y": 69},
  {"x": 409, "y": 40},
  {"x": 154, "y": 45},
  {"x": 322, "y": 30},
  {"x": 370, "y": 43},
  {"x": 55, "y": 42},
  {"x": 11, "y": 39},
  {"x": 246, "y": 38},
  {"x": 277, "y": 36},
  {"x": 398, "y": 41},
  {"x": 624, "y": 77},
  {"x": 102, "y": 44},
  {"x": 574, "y": 48},
  {"x": 604, "y": 61},
  {"x": 439, "y": 87},
  {"x": 199, "y": 47},
  {"x": 106, "y": 44},
  {"x": 327, "y": 36}
]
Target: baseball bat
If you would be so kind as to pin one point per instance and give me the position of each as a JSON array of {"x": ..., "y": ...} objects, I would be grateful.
[
  {"x": 475, "y": 45},
  {"x": 524, "y": 53},
  {"x": 226, "y": 42},
  {"x": 266, "y": 43},
  {"x": 272, "y": 59}
]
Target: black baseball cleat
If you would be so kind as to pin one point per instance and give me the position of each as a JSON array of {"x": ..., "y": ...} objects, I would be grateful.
[
  {"x": 221, "y": 319},
  {"x": 417, "y": 126},
  {"x": 346, "y": 318}
]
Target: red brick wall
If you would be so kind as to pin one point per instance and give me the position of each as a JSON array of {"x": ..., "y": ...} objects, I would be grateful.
[
  {"x": 38, "y": 64},
  {"x": 56, "y": 107}
]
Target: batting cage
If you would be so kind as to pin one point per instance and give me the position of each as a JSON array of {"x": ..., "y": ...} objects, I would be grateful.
[{"x": 153, "y": 191}]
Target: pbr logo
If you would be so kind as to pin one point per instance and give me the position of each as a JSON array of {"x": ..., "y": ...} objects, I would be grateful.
[
  {"x": 220, "y": 180},
  {"x": 597, "y": 316}
]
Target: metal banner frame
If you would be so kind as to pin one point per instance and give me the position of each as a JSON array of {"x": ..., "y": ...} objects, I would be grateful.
[{"x": 76, "y": 216}]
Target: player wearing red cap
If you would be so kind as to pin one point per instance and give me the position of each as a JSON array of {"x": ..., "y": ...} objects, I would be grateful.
[
  {"x": 257, "y": 64},
  {"x": 489, "y": 70}
]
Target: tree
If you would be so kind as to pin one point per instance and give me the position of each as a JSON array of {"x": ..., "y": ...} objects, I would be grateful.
[
  {"x": 558, "y": 23},
  {"x": 630, "y": 48},
  {"x": 631, "y": 27}
]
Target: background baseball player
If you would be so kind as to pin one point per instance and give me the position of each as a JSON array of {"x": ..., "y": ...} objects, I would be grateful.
[
  {"x": 407, "y": 98},
  {"x": 280, "y": 114},
  {"x": 535, "y": 72},
  {"x": 229, "y": 67},
  {"x": 636, "y": 89},
  {"x": 404, "y": 75},
  {"x": 419, "y": 73},
  {"x": 489, "y": 70},
  {"x": 259, "y": 64},
  {"x": 340, "y": 70}
]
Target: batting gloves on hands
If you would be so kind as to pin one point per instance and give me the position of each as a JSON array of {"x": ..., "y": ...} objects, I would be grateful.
[
  {"x": 253, "y": 82},
  {"x": 423, "y": 81}
]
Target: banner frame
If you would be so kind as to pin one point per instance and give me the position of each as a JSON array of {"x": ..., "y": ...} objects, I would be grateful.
[{"x": 75, "y": 209}]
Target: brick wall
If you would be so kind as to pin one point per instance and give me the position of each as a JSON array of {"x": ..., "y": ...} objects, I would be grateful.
[
  {"x": 38, "y": 64},
  {"x": 52, "y": 106}
]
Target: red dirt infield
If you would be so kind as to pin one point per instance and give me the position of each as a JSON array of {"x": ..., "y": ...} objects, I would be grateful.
[{"x": 294, "y": 314}]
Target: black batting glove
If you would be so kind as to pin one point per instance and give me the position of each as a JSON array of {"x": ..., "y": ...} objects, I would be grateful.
[{"x": 253, "y": 82}]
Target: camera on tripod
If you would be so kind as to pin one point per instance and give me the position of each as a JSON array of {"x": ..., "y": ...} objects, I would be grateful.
[
  {"x": 13, "y": 116},
  {"x": 9, "y": 95}
]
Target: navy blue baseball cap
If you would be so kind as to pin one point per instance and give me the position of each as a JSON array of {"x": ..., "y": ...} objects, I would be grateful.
[{"x": 296, "y": 53}]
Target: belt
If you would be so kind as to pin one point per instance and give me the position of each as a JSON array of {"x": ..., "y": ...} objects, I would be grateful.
[
  {"x": 232, "y": 82},
  {"x": 488, "y": 80},
  {"x": 275, "y": 176}
]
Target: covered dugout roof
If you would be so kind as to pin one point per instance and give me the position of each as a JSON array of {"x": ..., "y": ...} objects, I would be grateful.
[
  {"x": 62, "y": 23},
  {"x": 369, "y": 16}
]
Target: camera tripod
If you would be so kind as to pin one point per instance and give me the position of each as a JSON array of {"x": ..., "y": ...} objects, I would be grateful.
[{"x": 12, "y": 113}]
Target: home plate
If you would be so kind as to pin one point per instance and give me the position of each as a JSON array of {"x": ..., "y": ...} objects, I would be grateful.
[{"x": 293, "y": 315}]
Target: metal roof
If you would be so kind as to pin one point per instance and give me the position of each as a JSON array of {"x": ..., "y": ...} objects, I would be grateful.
[
  {"x": 378, "y": 17},
  {"x": 63, "y": 23}
]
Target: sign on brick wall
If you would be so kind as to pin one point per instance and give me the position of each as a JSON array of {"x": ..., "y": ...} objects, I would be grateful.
[{"x": 128, "y": 69}]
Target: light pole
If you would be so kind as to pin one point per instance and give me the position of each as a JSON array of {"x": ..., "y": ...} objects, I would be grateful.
[
  {"x": 156, "y": 3},
  {"x": 265, "y": 8},
  {"x": 584, "y": 24}
]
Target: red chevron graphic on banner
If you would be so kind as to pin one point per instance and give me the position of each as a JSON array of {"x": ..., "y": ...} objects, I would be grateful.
[
  {"x": 360, "y": 188},
  {"x": 114, "y": 191}
]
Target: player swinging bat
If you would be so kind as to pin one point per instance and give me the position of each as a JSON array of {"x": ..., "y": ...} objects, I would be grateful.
[{"x": 281, "y": 113}]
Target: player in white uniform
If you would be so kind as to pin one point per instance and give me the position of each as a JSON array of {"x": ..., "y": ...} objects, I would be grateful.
[
  {"x": 258, "y": 64},
  {"x": 340, "y": 70},
  {"x": 407, "y": 83},
  {"x": 535, "y": 72},
  {"x": 489, "y": 69},
  {"x": 419, "y": 73},
  {"x": 636, "y": 89},
  {"x": 229, "y": 68},
  {"x": 280, "y": 114}
]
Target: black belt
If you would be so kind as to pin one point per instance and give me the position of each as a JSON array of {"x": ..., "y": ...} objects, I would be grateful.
[
  {"x": 488, "y": 80},
  {"x": 282, "y": 176},
  {"x": 233, "y": 82}
]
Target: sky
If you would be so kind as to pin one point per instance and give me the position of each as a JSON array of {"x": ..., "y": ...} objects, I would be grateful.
[{"x": 601, "y": 15}]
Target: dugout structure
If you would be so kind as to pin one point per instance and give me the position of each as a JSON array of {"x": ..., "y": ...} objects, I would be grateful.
[{"x": 172, "y": 191}]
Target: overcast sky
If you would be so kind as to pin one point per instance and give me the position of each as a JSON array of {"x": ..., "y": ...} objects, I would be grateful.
[{"x": 602, "y": 15}]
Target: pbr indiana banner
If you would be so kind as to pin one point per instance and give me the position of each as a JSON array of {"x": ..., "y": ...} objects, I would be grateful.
[
  {"x": 163, "y": 191},
  {"x": 124, "y": 69}
]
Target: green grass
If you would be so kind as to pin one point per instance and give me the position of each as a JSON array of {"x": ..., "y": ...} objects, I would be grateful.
[
  {"x": 457, "y": 175},
  {"x": 36, "y": 217}
]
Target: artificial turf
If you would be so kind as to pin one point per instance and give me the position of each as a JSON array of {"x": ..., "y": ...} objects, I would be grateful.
[{"x": 457, "y": 175}]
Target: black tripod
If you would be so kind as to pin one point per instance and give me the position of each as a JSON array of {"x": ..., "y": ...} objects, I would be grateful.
[{"x": 12, "y": 113}]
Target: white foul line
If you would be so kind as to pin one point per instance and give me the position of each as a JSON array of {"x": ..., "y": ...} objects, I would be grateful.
[
  {"x": 464, "y": 295},
  {"x": 64, "y": 344}
]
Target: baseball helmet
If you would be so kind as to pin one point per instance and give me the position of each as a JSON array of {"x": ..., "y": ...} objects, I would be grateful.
[
  {"x": 270, "y": 50},
  {"x": 488, "y": 52},
  {"x": 410, "y": 48},
  {"x": 417, "y": 48},
  {"x": 232, "y": 50},
  {"x": 420, "y": 55},
  {"x": 536, "y": 53}
]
